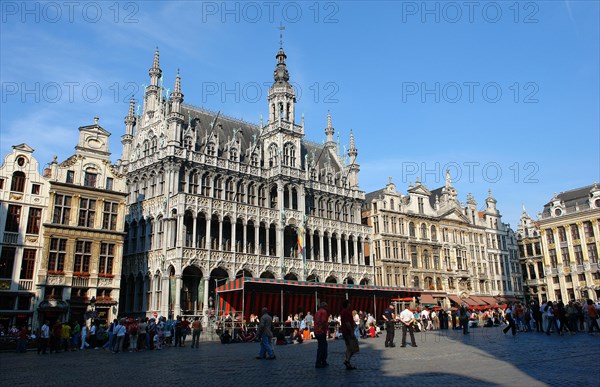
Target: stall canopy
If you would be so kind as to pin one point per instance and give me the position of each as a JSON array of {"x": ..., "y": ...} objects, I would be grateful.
[
  {"x": 247, "y": 296},
  {"x": 489, "y": 300},
  {"x": 427, "y": 299}
]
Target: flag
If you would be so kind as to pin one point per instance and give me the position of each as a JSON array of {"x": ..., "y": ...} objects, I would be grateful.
[{"x": 300, "y": 238}]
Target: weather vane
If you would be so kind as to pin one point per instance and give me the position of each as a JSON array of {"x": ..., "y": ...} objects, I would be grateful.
[{"x": 281, "y": 28}]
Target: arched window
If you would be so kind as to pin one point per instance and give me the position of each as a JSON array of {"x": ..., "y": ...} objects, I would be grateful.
[
  {"x": 233, "y": 154},
  {"x": 194, "y": 182},
  {"x": 433, "y": 233},
  {"x": 153, "y": 144},
  {"x": 206, "y": 184},
  {"x": 146, "y": 148},
  {"x": 416, "y": 282},
  {"x": 18, "y": 182},
  {"x": 289, "y": 155},
  {"x": 218, "y": 193},
  {"x": 392, "y": 204},
  {"x": 411, "y": 229},
  {"x": 423, "y": 231},
  {"x": 273, "y": 155},
  {"x": 252, "y": 194},
  {"x": 254, "y": 159}
]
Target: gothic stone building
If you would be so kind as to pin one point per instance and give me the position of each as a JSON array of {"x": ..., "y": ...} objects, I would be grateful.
[
  {"x": 23, "y": 203},
  {"x": 83, "y": 232},
  {"x": 212, "y": 198},
  {"x": 454, "y": 252},
  {"x": 569, "y": 232}
]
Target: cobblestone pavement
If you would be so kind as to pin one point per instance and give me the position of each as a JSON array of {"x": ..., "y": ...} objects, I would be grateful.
[{"x": 484, "y": 356}]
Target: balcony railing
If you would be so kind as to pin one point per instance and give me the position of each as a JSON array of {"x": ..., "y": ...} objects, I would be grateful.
[
  {"x": 80, "y": 282},
  {"x": 11, "y": 238},
  {"x": 25, "y": 284}
]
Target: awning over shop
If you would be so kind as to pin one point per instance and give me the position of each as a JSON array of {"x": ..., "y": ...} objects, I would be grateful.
[
  {"x": 489, "y": 300},
  {"x": 479, "y": 301},
  {"x": 247, "y": 296},
  {"x": 427, "y": 299},
  {"x": 50, "y": 305},
  {"x": 469, "y": 301},
  {"x": 455, "y": 298}
]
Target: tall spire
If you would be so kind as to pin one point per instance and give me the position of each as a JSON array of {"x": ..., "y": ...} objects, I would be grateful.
[
  {"x": 352, "y": 151},
  {"x": 177, "y": 83},
  {"x": 155, "y": 71},
  {"x": 131, "y": 111},
  {"x": 329, "y": 131}
]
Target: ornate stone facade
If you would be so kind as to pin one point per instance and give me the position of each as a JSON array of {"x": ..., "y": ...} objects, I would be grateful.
[
  {"x": 83, "y": 232},
  {"x": 23, "y": 204},
  {"x": 212, "y": 198},
  {"x": 569, "y": 232},
  {"x": 531, "y": 258},
  {"x": 428, "y": 239}
]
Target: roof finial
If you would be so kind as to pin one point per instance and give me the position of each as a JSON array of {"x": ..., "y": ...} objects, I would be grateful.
[
  {"x": 155, "y": 63},
  {"x": 96, "y": 120},
  {"x": 281, "y": 28}
]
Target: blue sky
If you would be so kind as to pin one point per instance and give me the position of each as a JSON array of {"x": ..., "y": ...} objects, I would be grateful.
[{"x": 505, "y": 94}]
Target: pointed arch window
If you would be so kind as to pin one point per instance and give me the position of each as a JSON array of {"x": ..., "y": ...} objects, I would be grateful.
[
  {"x": 289, "y": 155},
  {"x": 153, "y": 145},
  {"x": 233, "y": 154},
  {"x": 273, "y": 155}
]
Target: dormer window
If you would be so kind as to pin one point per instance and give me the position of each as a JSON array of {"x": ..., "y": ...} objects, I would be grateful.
[
  {"x": 233, "y": 154},
  {"x": 70, "y": 177},
  {"x": 90, "y": 179}
]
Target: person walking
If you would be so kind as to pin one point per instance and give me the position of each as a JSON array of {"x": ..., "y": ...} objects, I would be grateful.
[
  {"x": 508, "y": 315},
  {"x": 84, "y": 336},
  {"x": 265, "y": 332},
  {"x": 348, "y": 329},
  {"x": 111, "y": 336},
  {"x": 408, "y": 318},
  {"x": 44, "y": 337},
  {"x": 592, "y": 317},
  {"x": 389, "y": 316},
  {"x": 66, "y": 335},
  {"x": 119, "y": 332},
  {"x": 196, "y": 329},
  {"x": 551, "y": 318},
  {"x": 321, "y": 328}
]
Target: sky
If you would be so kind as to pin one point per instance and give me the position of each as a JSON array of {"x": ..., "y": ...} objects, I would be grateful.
[{"x": 503, "y": 94}]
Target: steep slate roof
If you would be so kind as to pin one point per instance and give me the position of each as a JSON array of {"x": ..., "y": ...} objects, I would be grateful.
[
  {"x": 579, "y": 196},
  {"x": 371, "y": 196},
  {"x": 438, "y": 192},
  {"x": 201, "y": 120}
]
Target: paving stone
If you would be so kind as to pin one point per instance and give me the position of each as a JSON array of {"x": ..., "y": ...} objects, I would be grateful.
[{"x": 441, "y": 358}]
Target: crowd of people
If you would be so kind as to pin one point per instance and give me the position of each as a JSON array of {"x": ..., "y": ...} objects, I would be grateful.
[{"x": 132, "y": 335}]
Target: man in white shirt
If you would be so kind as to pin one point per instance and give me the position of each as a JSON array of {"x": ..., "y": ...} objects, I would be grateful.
[
  {"x": 44, "y": 337},
  {"x": 407, "y": 318}
]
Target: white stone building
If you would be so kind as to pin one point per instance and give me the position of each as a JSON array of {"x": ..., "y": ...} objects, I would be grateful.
[
  {"x": 23, "y": 205},
  {"x": 212, "y": 198}
]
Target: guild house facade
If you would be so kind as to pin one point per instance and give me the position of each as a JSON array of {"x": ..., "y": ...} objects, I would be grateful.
[{"x": 454, "y": 252}]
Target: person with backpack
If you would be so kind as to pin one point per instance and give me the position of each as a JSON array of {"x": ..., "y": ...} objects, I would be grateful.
[{"x": 133, "y": 335}]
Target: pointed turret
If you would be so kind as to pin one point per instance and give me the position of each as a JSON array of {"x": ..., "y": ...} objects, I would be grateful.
[
  {"x": 329, "y": 132},
  {"x": 152, "y": 92},
  {"x": 155, "y": 72},
  {"x": 177, "y": 96},
  {"x": 282, "y": 97},
  {"x": 354, "y": 167},
  {"x": 175, "y": 118},
  {"x": 127, "y": 138}
]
